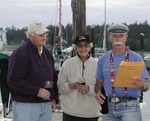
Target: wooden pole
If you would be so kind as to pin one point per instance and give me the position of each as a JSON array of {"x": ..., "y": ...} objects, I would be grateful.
[
  {"x": 79, "y": 19},
  {"x": 92, "y": 38},
  {"x": 142, "y": 41},
  {"x": 79, "y": 16},
  {"x": 142, "y": 54}
]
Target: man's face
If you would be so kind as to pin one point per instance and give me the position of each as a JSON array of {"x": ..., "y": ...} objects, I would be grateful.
[
  {"x": 117, "y": 39},
  {"x": 39, "y": 40}
]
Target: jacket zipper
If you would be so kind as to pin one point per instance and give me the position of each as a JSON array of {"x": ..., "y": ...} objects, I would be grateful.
[
  {"x": 41, "y": 59},
  {"x": 83, "y": 68}
]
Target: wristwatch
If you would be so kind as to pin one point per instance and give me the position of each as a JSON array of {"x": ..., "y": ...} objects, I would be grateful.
[{"x": 144, "y": 86}]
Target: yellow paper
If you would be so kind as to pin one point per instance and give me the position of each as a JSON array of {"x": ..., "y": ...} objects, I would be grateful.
[{"x": 127, "y": 72}]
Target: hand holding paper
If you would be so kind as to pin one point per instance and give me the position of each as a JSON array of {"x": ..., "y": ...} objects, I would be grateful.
[{"x": 127, "y": 72}]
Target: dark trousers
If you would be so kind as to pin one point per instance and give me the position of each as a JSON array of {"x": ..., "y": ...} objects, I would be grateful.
[{"x": 67, "y": 117}]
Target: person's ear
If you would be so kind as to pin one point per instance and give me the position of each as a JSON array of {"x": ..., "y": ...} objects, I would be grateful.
[{"x": 109, "y": 37}]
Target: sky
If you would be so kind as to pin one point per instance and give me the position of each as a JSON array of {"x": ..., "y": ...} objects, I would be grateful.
[{"x": 20, "y": 13}]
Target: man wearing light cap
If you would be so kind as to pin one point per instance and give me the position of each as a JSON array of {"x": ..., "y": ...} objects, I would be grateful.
[
  {"x": 30, "y": 66},
  {"x": 123, "y": 104},
  {"x": 118, "y": 28}
]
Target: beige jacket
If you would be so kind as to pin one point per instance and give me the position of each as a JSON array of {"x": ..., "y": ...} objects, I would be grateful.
[{"x": 72, "y": 101}]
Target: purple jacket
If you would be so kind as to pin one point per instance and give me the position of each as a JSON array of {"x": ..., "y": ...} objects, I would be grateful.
[{"x": 27, "y": 72}]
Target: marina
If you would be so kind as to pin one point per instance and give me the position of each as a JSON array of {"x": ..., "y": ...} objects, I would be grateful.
[{"x": 6, "y": 112}]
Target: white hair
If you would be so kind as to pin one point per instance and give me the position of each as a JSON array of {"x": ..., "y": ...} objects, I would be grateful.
[{"x": 27, "y": 34}]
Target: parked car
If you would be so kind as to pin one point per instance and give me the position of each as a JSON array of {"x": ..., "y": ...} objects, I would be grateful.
[{"x": 147, "y": 61}]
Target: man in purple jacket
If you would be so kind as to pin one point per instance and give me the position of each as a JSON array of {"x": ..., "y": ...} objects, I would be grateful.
[{"x": 30, "y": 65}]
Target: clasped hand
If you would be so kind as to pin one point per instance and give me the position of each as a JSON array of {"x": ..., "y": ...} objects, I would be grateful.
[{"x": 81, "y": 88}]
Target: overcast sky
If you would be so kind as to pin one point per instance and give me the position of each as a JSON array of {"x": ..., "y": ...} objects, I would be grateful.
[{"x": 21, "y": 13}]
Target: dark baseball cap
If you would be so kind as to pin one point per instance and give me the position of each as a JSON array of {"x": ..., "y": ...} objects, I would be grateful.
[
  {"x": 82, "y": 38},
  {"x": 118, "y": 28}
]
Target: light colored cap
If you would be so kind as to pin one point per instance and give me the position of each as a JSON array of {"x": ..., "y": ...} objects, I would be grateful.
[
  {"x": 118, "y": 28},
  {"x": 37, "y": 27}
]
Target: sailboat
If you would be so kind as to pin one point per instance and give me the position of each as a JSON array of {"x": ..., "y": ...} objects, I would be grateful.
[
  {"x": 59, "y": 52},
  {"x": 102, "y": 50}
]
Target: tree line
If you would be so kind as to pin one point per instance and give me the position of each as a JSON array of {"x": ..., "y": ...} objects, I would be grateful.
[{"x": 17, "y": 36}]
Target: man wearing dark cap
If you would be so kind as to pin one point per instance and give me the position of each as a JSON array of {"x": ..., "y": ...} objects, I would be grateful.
[
  {"x": 76, "y": 82},
  {"x": 30, "y": 66},
  {"x": 123, "y": 104}
]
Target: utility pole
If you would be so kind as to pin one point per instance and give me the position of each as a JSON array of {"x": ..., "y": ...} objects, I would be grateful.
[
  {"x": 79, "y": 16},
  {"x": 142, "y": 54}
]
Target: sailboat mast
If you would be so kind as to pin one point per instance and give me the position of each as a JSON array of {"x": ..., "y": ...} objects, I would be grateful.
[
  {"x": 104, "y": 41},
  {"x": 60, "y": 25}
]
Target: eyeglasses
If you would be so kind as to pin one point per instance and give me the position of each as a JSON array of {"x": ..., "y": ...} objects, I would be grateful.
[
  {"x": 119, "y": 35},
  {"x": 44, "y": 34},
  {"x": 83, "y": 45}
]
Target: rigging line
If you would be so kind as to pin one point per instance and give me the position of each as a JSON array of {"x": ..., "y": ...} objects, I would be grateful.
[
  {"x": 101, "y": 35},
  {"x": 60, "y": 18},
  {"x": 55, "y": 18},
  {"x": 55, "y": 14},
  {"x": 69, "y": 21},
  {"x": 44, "y": 12},
  {"x": 67, "y": 16},
  {"x": 60, "y": 24}
]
